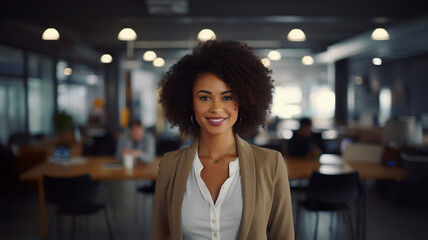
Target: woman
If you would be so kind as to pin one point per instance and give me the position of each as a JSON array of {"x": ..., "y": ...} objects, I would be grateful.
[{"x": 220, "y": 187}]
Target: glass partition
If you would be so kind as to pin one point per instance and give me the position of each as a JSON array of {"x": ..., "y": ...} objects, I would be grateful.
[
  {"x": 12, "y": 107},
  {"x": 40, "y": 94},
  {"x": 12, "y": 92}
]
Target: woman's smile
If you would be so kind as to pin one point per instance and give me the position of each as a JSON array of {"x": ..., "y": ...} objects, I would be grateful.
[{"x": 216, "y": 121}]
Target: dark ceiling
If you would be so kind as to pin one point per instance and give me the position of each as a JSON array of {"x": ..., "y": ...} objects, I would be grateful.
[{"x": 263, "y": 23}]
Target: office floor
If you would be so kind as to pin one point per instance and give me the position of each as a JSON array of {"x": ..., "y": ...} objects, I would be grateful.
[{"x": 385, "y": 219}]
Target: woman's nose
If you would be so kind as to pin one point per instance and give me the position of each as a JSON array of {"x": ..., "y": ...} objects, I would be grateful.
[{"x": 216, "y": 107}]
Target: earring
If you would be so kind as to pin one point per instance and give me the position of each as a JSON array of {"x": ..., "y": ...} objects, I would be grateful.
[
  {"x": 238, "y": 122},
  {"x": 192, "y": 121}
]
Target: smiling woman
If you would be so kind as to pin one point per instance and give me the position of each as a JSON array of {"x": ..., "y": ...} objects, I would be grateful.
[
  {"x": 217, "y": 93},
  {"x": 237, "y": 66}
]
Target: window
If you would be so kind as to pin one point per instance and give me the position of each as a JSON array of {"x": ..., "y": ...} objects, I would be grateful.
[
  {"x": 287, "y": 102},
  {"x": 12, "y": 95},
  {"x": 12, "y": 107},
  {"x": 40, "y": 94}
]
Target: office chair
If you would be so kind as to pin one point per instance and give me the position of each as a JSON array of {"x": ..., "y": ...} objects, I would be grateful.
[
  {"x": 147, "y": 191},
  {"x": 74, "y": 196},
  {"x": 330, "y": 193}
]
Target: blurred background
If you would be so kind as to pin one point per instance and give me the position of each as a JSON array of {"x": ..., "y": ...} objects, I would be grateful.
[
  {"x": 76, "y": 72},
  {"x": 333, "y": 72}
]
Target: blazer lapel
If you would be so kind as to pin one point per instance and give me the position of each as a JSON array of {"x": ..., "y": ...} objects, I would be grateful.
[
  {"x": 248, "y": 180},
  {"x": 182, "y": 174}
]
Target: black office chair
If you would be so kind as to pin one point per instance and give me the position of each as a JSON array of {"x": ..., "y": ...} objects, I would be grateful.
[
  {"x": 330, "y": 193},
  {"x": 74, "y": 196},
  {"x": 147, "y": 192}
]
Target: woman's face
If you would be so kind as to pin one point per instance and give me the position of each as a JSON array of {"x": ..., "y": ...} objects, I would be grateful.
[{"x": 215, "y": 107}]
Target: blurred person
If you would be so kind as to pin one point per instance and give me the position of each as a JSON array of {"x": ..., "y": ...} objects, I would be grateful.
[
  {"x": 138, "y": 142},
  {"x": 220, "y": 186},
  {"x": 303, "y": 143}
]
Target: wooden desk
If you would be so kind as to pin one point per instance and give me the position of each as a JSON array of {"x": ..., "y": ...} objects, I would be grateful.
[
  {"x": 302, "y": 168},
  {"x": 93, "y": 166}
]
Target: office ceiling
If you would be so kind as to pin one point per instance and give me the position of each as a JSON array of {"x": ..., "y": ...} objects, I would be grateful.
[{"x": 174, "y": 24}]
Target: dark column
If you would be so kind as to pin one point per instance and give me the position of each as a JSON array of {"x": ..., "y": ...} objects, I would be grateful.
[
  {"x": 25, "y": 78},
  {"x": 112, "y": 93},
  {"x": 341, "y": 91}
]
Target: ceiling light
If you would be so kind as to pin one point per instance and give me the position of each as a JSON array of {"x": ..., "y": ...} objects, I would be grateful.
[
  {"x": 206, "y": 34},
  {"x": 50, "y": 34},
  {"x": 158, "y": 62},
  {"x": 380, "y": 34},
  {"x": 358, "y": 80},
  {"x": 149, "y": 56},
  {"x": 265, "y": 62},
  {"x": 127, "y": 34},
  {"x": 307, "y": 60},
  {"x": 68, "y": 71},
  {"x": 274, "y": 55},
  {"x": 296, "y": 35},
  {"x": 106, "y": 58},
  {"x": 377, "y": 61}
]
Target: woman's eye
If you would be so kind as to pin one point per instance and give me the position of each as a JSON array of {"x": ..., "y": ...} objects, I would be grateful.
[
  {"x": 227, "y": 98},
  {"x": 204, "y": 98}
]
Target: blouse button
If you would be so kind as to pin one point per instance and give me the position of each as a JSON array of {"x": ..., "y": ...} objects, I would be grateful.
[
  {"x": 215, "y": 235},
  {"x": 213, "y": 221}
]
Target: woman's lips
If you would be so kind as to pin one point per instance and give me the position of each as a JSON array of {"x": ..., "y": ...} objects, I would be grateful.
[{"x": 216, "y": 121}]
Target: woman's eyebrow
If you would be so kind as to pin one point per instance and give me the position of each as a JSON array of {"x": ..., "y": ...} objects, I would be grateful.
[
  {"x": 203, "y": 91},
  {"x": 208, "y": 92},
  {"x": 226, "y": 92}
]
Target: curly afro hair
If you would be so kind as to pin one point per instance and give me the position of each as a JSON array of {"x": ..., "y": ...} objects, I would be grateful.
[{"x": 234, "y": 63}]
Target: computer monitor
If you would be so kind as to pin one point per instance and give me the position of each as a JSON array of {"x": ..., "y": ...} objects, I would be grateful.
[{"x": 61, "y": 153}]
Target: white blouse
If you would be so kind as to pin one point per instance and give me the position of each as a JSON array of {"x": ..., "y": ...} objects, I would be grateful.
[{"x": 200, "y": 217}]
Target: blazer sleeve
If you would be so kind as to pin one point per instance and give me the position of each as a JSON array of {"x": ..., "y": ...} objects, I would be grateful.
[
  {"x": 160, "y": 225},
  {"x": 280, "y": 225}
]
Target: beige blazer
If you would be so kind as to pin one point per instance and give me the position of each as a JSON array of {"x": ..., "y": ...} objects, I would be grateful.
[{"x": 267, "y": 210}]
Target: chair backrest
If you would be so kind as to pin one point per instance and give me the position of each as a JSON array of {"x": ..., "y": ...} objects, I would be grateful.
[
  {"x": 333, "y": 189},
  {"x": 69, "y": 191},
  {"x": 363, "y": 152}
]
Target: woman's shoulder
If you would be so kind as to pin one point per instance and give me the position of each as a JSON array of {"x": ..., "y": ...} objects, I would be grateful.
[
  {"x": 264, "y": 156},
  {"x": 173, "y": 157},
  {"x": 263, "y": 151},
  {"x": 174, "y": 154}
]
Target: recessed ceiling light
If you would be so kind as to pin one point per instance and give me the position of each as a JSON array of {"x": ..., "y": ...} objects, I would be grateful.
[
  {"x": 274, "y": 55},
  {"x": 50, "y": 34},
  {"x": 358, "y": 80},
  {"x": 68, "y": 71},
  {"x": 307, "y": 60},
  {"x": 380, "y": 34},
  {"x": 149, "y": 56},
  {"x": 206, "y": 34},
  {"x": 106, "y": 58},
  {"x": 265, "y": 62},
  {"x": 127, "y": 34},
  {"x": 296, "y": 35},
  {"x": 377, "y": 61},
  {"x": 158, "y": 62}
]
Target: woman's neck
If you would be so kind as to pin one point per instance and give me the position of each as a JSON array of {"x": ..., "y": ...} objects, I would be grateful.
[{"x": 217, "y": 146}]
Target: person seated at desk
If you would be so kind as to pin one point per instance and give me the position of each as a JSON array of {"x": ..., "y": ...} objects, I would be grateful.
[
  {"x": 138, "y": 142},
  {"x": 303, "y": 144}
]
